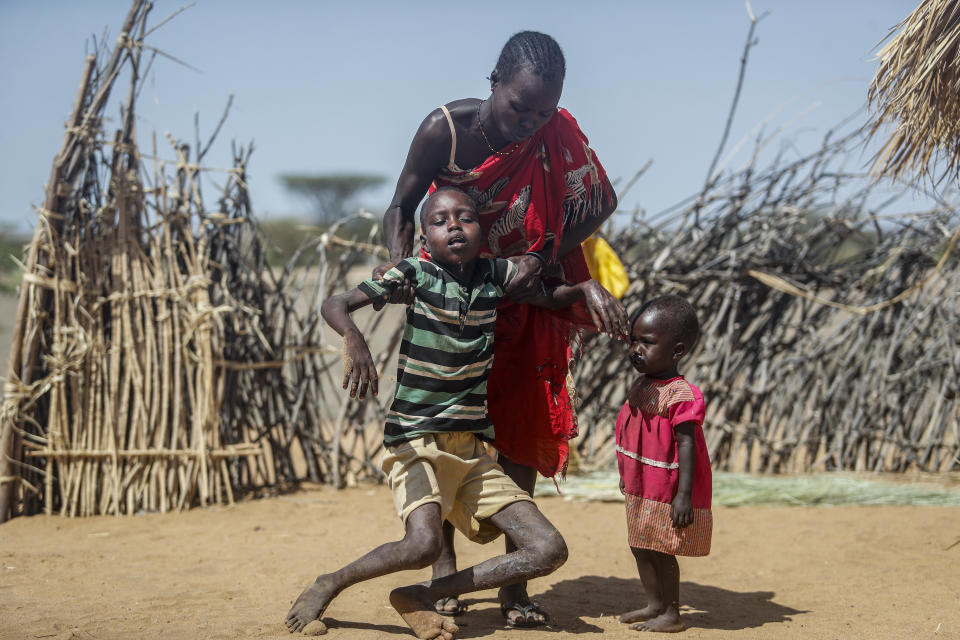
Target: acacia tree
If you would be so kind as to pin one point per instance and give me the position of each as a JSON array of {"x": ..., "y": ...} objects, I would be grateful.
[{"x": 332, "y": 196}]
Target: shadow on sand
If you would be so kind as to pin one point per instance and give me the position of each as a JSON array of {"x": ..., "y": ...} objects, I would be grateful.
[
  {"x": 570, "y": 601},
  {"x": 702, "y": 606},
  {"x": 481, "y": 619}
]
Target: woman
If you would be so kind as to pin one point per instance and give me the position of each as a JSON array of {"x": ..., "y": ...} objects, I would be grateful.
[{"x": 540, "y": 192}]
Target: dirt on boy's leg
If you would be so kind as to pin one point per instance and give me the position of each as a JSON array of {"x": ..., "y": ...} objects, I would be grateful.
[
  {"x": 311, "y": 604},
  {"x": 419, "y": 547},
  {"x": 540, "y": 551},
  {"x": 515, "y": 603}
]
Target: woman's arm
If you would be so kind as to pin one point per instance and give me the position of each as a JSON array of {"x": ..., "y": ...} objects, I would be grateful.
[
  {"x": 576, "y": 234},
  {"x": 428, "y": 152},
  {"x": 424, "y": 160},
  {"x": 532, "y": 264}
]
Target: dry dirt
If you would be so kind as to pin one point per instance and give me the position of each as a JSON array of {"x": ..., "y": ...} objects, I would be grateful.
[{"x": 232, "y": 572}]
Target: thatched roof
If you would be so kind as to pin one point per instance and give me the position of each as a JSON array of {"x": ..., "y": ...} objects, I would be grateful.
[{"x": 917, "y": 88}]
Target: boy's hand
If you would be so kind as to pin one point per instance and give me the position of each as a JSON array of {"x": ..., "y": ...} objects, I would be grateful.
[
  {"x": 606, "y": 311},
  {"x": 681, "y": 511},
  {"x": 359, "y": 371},
  {"x": 403, "y": 294}
]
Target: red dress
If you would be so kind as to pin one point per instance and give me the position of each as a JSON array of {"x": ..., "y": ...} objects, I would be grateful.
[
  {"x": 525, "y": 199},
  {"x": 648, "y": 462}
]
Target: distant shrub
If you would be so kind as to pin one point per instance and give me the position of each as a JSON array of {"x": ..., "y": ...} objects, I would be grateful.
[
  {"x": 286, "y": 235},
  {"x": 11, "y": 249}
]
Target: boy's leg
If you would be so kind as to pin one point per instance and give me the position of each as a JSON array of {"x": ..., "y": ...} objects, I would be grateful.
[
  {"x": 668, "y": 576},
  {"x": 419, "y": 547},
  {"x": 540, "y": 550},
  {"x": 444, "y": 566},
  {"x": 647, "y": 569},
  {"x": 513, "y": 599},
  {"x": 515, "y": 603}
]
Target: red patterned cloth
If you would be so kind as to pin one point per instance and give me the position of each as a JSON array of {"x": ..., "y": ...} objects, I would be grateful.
[
  {"x": 524, "y": 200},
  {"x": 648, "y": 461},
  {"x": 649, "y": 526}
]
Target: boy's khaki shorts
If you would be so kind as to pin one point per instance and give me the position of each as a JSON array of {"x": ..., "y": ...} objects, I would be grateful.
[{"x": 453, "y": 470}]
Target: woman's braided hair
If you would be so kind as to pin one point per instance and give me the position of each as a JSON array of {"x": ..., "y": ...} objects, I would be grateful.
[{"x": 532, "y": 50}]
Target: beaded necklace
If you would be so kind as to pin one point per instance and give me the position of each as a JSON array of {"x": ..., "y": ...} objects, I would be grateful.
[{"x": 516, "y": 145}]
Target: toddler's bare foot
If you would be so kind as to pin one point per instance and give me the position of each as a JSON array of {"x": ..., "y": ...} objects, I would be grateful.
[
  {"x": 418, "y": 612},
  {"x": 667, "y": 622},
  {"x": 311, "y": 604},
  {"x": 640, "y": 615}
]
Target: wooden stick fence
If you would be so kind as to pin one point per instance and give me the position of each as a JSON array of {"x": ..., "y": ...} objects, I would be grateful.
[
  {"x": 158, "y": 361},
  {"x": 829, "y": 332}
]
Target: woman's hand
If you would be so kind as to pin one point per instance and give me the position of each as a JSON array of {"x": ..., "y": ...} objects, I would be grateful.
[
  {"x": 403, "y": 294},
  {"x": 527, "y": 284},
  {"x": 359, "y": 370},
  {"x": 681, "y": 510},
  {"x": 606, "y": 311}
]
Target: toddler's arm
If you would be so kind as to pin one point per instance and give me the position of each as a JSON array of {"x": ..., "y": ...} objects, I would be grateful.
[
  {"x": 681, "y": 510},
  {"x": 358, "y": 366}
]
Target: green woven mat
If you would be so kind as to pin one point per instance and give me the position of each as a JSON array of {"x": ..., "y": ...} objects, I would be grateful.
[{"x": 738, "y": 489}]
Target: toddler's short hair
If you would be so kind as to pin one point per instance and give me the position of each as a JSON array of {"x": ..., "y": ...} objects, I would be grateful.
[{"x": 680, "y": 315}]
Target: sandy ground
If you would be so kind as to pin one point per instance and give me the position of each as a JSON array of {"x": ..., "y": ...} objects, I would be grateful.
[{"x": 232, "y": 572}]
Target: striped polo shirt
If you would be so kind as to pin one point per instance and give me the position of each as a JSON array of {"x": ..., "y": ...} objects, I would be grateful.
[{"x": 447, "y": 347}]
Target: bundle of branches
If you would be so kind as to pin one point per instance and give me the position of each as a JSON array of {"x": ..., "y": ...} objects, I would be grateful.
[
  {"x": 917, "y": 89},
  {"x": 281, "y": 385},
  {"x": 110, "y": 405},
  {"x": 158, "y": 361},
  {"x": 829, "y": 330}
]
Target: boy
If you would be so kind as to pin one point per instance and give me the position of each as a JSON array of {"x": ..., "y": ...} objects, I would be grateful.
[{"x": 435, "y": 463}]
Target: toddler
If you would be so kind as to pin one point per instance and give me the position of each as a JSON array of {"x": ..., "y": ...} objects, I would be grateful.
[{"x": 662, "y": 458}]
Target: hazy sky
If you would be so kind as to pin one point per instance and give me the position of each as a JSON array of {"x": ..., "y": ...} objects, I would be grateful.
[{"x": 342, "y": 86}]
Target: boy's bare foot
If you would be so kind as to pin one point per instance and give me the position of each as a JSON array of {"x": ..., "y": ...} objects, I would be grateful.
[
  {"x": 641, "y": 615},
  {"x": 311, "y": 604},
  {"x": 668, "y": 622},
  {"x": 417, "y": 611}
]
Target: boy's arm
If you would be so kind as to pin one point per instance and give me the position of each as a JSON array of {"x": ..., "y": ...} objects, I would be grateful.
[
  {"x": 606, "y": 311},
  {"x": 358, "y": 366},
  {"x": 681, "y": 510}
]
